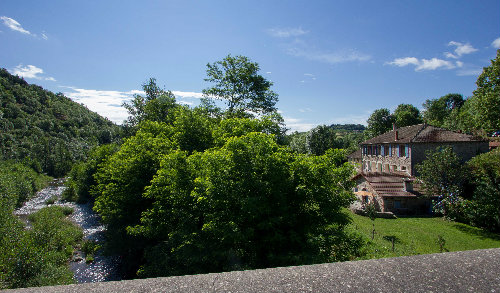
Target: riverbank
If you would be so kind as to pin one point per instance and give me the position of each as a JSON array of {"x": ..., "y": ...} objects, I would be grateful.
[{"x": 102, "y": 267}]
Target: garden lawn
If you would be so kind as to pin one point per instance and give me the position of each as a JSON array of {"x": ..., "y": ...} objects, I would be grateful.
[{"x": 420, "y": 236}]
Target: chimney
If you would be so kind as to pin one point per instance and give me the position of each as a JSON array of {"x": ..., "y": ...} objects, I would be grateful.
[{"x": 395, "y": 131}]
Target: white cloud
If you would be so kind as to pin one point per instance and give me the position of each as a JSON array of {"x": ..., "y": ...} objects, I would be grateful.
[
  {"x": 459, "y": 64},
  {"x": 108, "y": 103},
  {"x": 286, "y": 32},
  {"x": 181, "y": 94},
  {"x": 295, "y": 124},
  {"x": 461, "y": 49},
  {"x": 44, "y": 36},
  {"x": 30, "y": 71},
  {"x": 404, "y": 61},
  {"x": 14, "y": 25},
  {"x": 496, "y": 43},
  {"x": 423, "y": 64},
  {"x": 269, "y": 72},
  {"x": 434, "y": 64},
  {"x": 105, "y": 103},
  {"x": 329, "y": 57}
]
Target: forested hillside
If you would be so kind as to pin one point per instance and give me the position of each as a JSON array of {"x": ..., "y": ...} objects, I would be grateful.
[{"x": 47, "y": 131}]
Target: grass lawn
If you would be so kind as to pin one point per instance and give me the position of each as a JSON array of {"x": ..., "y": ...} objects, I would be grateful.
[{"x": 420, "y": 236}]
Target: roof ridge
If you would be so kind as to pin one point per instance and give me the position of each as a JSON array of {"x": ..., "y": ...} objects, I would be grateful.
[{"x": 424, "y": 125}]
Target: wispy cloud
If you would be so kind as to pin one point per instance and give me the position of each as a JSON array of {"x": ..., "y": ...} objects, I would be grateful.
[
  {"x": 295, "y": 124},
  {"x": 108, "y": 103},
  {"x": 469, "y": 72},
  {"x": 30, "y": 71},
  {"x": 496, "y": 43},
  {"x": 423, "y": 64},
  {"x": 460, "y": 49},
  {"x": 329, "y": 57},
  {"x": 352, "y": 119},
  {"x": 14, "y": 25},
  {"x": 306, "y": 110},
  {"x": 286, "y": 32},
  {"x": 181, "y": 94},
  {"x": 105, "y": 103}
]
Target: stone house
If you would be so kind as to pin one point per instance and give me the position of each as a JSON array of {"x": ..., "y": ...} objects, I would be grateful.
[{"x": 387, "y": 169}]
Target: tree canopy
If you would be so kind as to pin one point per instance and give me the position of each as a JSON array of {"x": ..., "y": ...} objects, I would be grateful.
[
  {"x": 237, "y": 83},
  {"x": 380, "y": 121},
  {"x": 406, "y": 115}
]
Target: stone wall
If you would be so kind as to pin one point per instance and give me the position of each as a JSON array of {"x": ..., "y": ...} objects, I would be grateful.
[{"x": 464, "y": 150}]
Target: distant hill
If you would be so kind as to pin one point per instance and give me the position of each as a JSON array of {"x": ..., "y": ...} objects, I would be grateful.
[
  {"x": 348, "y": 127},
  {"x": 47, "y": 131}
]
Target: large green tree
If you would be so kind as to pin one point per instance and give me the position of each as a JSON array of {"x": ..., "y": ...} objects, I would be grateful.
[
  {"x": 380, "y": 121},
  {"x": 439, "y": 111},
  {"x": 248, "y": 204},
  {"x": 157, "y": 105},
  {"x": 406, "y": 115},
  {"x": 236, "y": 82},
  {"x": 443, "y": 175}
]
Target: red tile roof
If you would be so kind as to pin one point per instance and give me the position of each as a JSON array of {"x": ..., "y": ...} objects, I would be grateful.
[
  {"x": 391, "y": 185},
  {"x": 421, "y": 133}
]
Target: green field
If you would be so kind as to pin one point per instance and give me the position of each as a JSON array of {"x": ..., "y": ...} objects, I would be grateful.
[{"x": 420, "y": 236}]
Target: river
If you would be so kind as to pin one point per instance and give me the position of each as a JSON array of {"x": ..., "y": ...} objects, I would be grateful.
[{"x": 103, "y": 268}]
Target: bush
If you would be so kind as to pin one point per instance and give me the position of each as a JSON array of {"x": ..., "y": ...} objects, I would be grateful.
[{"x": 38, "y": 256}]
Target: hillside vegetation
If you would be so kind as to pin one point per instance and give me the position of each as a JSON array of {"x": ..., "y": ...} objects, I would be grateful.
[{"x": 47, "y": 131}]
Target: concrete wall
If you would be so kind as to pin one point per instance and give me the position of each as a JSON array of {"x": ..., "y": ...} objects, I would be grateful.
[{"x": 464, "y": 271}]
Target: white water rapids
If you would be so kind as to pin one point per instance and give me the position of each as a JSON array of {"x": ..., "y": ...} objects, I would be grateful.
[{"x": 103, "y": 268}]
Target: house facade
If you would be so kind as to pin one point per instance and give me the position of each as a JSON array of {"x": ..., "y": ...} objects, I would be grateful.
[{"x": 388, "y": 165}]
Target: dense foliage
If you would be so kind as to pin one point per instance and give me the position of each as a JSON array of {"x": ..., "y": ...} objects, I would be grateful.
[
  {"x": 37, "y": 256},
  {"x": 46, "y": 131},
  {"x": 467, "y": 193},
  {"x": 18, "y": 183},
  {"x": 230, "y": 198},
  {"x": 195, "y": 190}
]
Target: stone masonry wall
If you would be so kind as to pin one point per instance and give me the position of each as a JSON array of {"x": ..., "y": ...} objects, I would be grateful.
[{"x": 464, "y": 150}]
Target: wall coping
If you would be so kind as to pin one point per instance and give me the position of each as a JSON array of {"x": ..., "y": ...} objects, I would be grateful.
[{"x": 463, "y": 271}]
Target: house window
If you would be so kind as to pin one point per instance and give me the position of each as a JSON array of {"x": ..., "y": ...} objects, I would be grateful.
[
  {"x": 402, "y": 151},
  {"x": 387, "y": 151},
  {"x": 407, "y": 150},
  {"x": 397, "y": 151},
  {"x": 390, "y": 150}
]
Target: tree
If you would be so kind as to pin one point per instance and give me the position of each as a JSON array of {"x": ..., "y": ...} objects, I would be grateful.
[
  {"x": 320, "y": 139},
  {"x": 483, "y": 210},
  {"x": 442, "y": 174},
  {"x": 380, "y": 121},
  {"x": 248, "y": 204},
  {"x": 238, "y": 84},
  {"x": 406, "y": 115},
  {"x": 438, "y": 111},
  {"x": 157, "y": 105}
]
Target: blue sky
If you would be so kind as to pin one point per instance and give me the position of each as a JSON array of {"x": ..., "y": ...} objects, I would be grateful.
[{"x": 330, "y": 61}]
